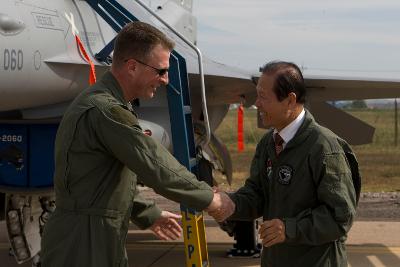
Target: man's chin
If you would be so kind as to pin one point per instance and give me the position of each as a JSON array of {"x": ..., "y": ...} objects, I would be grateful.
[
  {"x": 266, "y": 123},
  {"x": 148, "y": 96},
  {"x": 151, "y": 94}
]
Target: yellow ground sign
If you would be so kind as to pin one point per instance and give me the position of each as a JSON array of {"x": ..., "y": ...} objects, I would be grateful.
[{"x": 194, "y": 238}]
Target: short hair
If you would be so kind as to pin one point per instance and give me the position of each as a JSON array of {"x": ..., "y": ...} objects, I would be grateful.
[
  {"x": 288, "y": 79},
  {"x": 137, "y": 40}
]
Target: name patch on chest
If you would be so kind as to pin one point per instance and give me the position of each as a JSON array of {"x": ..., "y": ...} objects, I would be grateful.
[{"x": 285, "y": 174}]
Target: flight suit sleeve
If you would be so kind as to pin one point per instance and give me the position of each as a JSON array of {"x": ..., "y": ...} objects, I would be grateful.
[
  {"x": 144, "y": 212},
  {"x": 249, "y": 199},
  {"x": 118, "y": 131},
  {"x": 333, "y": 217}
]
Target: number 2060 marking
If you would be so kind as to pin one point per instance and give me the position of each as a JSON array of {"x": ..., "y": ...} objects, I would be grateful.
[{"x": 11, "y": 138}]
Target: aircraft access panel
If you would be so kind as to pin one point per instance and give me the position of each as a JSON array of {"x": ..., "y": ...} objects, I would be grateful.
[{"x": 27, "y": 155}]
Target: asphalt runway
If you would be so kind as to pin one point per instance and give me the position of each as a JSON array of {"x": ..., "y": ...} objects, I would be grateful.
[{"x": 370, "y": 244}]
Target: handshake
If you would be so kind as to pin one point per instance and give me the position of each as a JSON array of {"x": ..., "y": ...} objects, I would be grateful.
[{"x": 221, "y": 206}]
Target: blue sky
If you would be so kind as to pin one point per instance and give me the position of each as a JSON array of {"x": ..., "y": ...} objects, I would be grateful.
[{"x": 357, "y": 38}]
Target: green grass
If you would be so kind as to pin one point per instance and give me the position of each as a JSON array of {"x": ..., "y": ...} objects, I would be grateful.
[{"x": 379, "y": 161}]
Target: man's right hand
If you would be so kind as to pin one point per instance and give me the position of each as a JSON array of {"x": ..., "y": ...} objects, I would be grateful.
[
  {"x": 221, "y": 207},
  {"x": 272, "y": 232}
]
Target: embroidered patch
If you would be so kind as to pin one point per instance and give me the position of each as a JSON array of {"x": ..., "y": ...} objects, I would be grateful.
[{"x": 285, "y": 174}]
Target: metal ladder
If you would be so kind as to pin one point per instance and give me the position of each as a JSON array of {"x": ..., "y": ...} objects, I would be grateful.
[
  {"x": 180, "y": 116},
  {"x": 185, "y": 152}
]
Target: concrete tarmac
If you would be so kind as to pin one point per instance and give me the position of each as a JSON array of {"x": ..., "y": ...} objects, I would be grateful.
[{"x": 370, "y": 244}]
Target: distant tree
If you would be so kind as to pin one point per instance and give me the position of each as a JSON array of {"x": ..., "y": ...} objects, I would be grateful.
[{"x": 358, "y": 104}]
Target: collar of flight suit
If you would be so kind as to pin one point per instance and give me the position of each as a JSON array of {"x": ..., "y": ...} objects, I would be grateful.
[
  {"x": 300, "y": 136},
  {"x": 112, "y": 85},
  {"x": 290, "y": 130},
  {"x": 303, "y": 132}
]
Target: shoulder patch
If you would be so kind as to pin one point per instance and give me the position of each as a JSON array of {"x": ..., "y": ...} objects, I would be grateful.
[{"x": 124, "y": 116}]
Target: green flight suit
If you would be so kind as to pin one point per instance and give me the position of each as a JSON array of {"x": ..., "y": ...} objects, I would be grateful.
[
  {"x": 100, "y": 152},
  {"x": 309, "y": 187}
]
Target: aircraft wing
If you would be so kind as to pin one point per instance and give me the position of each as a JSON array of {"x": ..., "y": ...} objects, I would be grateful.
[
  {"x": 338, "y": 88},
  {"x": 354, "y": 130},
  {"x": 224, "y": 84},
  {"x": 227, "y": 85}
]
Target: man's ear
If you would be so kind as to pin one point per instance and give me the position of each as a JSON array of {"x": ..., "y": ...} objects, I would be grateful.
[
  {"x": 292, "y": 97},
  {"x": 131, "y": 65}
]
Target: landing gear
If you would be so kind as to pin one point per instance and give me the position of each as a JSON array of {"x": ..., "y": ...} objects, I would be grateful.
[
  {"x": 36, "y": 261},
  {"x": 26, "y": 216}
]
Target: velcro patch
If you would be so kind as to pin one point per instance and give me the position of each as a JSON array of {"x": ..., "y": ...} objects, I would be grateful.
[
  {"x": 336, "y": 164},
  {"x": 123, "y": 116}
]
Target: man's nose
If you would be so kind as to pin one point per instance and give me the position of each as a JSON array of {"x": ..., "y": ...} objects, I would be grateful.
[{"x": 164, "y": 79}]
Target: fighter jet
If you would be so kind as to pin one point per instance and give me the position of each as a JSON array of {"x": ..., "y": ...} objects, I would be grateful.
[{"x": 47, "y": 52}]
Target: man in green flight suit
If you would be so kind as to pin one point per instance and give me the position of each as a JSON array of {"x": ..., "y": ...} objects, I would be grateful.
[
  {"x": 101, "y": 152},
  {"x": 301, "y": 179}
]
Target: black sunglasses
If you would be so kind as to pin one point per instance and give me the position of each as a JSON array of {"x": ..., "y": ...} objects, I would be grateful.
[{"x": 160, "y": 72}]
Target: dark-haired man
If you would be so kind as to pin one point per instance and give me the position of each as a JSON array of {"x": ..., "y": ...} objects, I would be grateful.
[
  {"x": 100, "y": 154},
  {"x": 301, "y": 178}
]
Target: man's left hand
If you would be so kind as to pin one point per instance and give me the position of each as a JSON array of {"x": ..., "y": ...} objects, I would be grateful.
[
  {"x": 166, "y": 227},
  {"x": 272, "y": 232}
]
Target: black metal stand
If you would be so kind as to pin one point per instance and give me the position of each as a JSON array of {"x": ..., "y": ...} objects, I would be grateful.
[{"x": 245, "y": 234}]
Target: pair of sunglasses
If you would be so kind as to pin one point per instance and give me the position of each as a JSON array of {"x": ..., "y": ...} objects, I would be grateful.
[{"x": 160, "y": 72}]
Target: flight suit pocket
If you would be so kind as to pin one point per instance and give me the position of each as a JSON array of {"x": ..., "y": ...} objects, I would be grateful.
[{"x": 342, "y": 214}]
